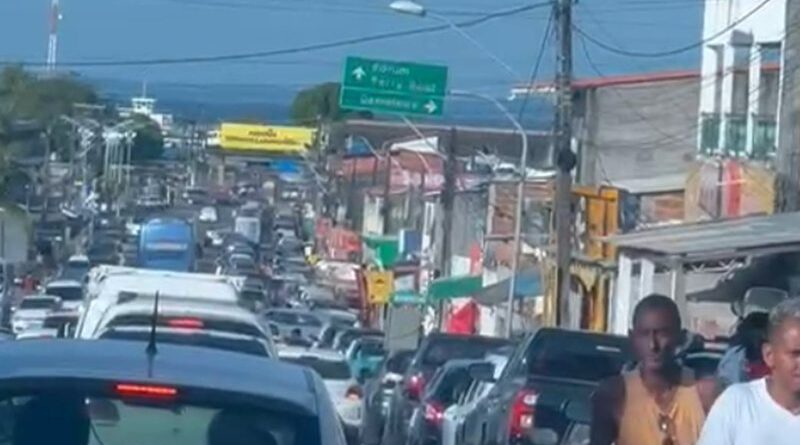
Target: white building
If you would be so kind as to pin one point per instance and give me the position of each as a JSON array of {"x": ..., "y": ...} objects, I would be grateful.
[
  {"x": 146, "y": 106},
  {"x": 740, "y": 73}
]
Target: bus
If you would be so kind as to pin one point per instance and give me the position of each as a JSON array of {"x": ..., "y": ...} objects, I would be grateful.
[{"x": 167, "y": 244}]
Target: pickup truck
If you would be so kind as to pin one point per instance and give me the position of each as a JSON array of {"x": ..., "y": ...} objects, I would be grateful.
[{"x": 550, "y": 369}]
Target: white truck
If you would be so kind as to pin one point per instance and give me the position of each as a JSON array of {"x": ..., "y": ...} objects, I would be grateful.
[{"x": 109, "y": 286}]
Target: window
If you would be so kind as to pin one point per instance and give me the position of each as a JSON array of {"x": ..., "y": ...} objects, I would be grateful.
[
  {"x": 735, "y": 134},
  {"x": 764, "y": 141},
  {"x": 709, "y": 133}
]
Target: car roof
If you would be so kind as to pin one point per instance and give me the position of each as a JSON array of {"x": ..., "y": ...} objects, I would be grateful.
[
  {"x": 171, "y": 330},
  {"x": 83, "y": 258},
  {"x": 296, "y": 352},
  {"x": 171, "y": 307},
  {"x": 42, "y": 297},
  {"x": 174, "y": 365},
  {"x": 64, "y": 283}
]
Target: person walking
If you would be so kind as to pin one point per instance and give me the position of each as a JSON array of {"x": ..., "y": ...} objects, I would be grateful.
[
  {"x": 765, "y": 410},
  {"x": 658, "y": 402}
]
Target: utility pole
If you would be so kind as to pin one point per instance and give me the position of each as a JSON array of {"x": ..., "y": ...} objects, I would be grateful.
[
  {"x": 788, "y": 157},
  {"x": 565, "y": 161},
  {"x": 387, "y": 186},
  {"x": 48, "y": 142},
  {"x": 448, "y": 197}
]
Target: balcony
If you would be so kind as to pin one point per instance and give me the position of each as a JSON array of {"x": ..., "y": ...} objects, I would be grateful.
[
  {"x": 709, "y": 133},
  {"x": 764, "y": 136},
  {"x": 735, "y": 134}
]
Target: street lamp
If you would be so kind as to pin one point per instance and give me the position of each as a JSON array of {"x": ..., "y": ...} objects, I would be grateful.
[
  {"x": 520, "y": 194},
  {"x": 409, "y": 7}
]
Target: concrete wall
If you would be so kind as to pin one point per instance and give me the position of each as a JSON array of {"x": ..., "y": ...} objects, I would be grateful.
[{"x": 642, "y": 130}]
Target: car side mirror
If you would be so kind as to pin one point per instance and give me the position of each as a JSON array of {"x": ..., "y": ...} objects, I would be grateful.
[
  {"x": 483, "y": 371},
  {"x": 543, "y": 436}
]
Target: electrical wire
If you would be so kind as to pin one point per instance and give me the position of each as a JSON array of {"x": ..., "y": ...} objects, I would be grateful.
[
  {"x": 535, "y": 68},
  {"x": 293, "y": 50},
  {"x": 674, "y": 51}
]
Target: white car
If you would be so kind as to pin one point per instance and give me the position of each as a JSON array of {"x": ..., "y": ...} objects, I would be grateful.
[
  {"x": 342, "y": 387},
  {"x": 208, "y": 214},
  {"x": 70, "y": 292},
  {"x": 32, "y": 310}
]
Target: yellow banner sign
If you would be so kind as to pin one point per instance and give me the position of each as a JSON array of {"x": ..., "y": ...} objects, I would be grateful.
[
  {"x": 380, "y": 286},
  {"x": 265, "y": 138}
]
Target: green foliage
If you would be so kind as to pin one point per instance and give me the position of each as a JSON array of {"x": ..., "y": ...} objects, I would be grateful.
[
  {"x": 149, "y": 142},
  {"x": 321, "y": 102}
]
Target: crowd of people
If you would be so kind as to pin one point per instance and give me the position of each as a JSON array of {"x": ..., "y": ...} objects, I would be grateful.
[{"x": 754, "y": 397}]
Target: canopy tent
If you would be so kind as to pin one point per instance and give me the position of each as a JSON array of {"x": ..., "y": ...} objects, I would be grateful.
[{"x": 528, "y": 284}]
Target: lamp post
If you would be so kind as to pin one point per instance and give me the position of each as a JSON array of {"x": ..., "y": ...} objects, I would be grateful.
[
  {"x": 520, "y": 194},
  {"x": 409, "y": 7}
]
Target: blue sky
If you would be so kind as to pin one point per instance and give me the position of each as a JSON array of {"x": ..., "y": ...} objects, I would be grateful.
[{"x": 140, "y": 29}]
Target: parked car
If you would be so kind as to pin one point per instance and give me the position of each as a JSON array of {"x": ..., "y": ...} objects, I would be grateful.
[
  {"x": 364, "y": 356},
  {"x": 70, "y": 292},
  {"x": 378, "y": 393},
  {"x": 288, "y": 320},
  {"x": 434, "y": 351},
  {"x": 447, "y": 385},
  {"x": 32, "y": 311},
  {"x": 550, "y": 368},
  {"x": 339, "y": 381}
]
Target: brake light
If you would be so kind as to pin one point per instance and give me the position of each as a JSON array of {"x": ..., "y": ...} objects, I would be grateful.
[
  {"x": 145, "y": 391},
  {"x": 523, "y": 409},
  {"x": 353, "y": 393},
  {"x": 189, "y": 323},
  {"x": 434, "y": 413},
  {"x": 415, "y": 385}
]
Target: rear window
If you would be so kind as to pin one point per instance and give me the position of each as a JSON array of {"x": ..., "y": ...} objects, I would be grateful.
[
  {"x": 28, "y": 303},
  {"x": 398, "y": 363},
  {"x": 248, "y": 346},
  {"x": 447, "y": 387},
  {"x": 122, "y": 415},
  {"x": 371, "y": 348},
  {"x": 293, "y": 318},
  {"x": 67, "y": 293},
  {"x": 440, "y": 350},
  {"x": 232, "y": 326},
  {"x": 577, "y": 356},
  {"x": 327, "y": 369}
]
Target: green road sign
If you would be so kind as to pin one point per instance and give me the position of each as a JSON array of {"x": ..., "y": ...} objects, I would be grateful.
[{"x": 393, "y": 87}]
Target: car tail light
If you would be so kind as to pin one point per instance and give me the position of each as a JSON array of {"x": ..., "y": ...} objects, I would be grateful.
[
  {"x": 434, "y": 413},
  {"x": 415, "y": 385},
  {"x": 523, "y": 409},
  {"x": 189, "y": 323},
  {"x": 145, "y": 391},
  {"x": 354, "y": 393}
]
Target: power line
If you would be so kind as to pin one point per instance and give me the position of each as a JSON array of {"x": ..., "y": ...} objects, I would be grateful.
[
  {"x": 535, "y": 67},
  {"x": 294, "y": 50},
  {"x": 674, "y": 51}
]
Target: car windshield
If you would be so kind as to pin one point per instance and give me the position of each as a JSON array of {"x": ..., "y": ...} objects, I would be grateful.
[
  {"x": 327, "y": 369},
  {"x": 67, "y": 293},
  {"x": 467, "y": 347},
  {"x": 36, "y": 303},
  {"x": 243, "y": 345},
  {"x": 145, "y": 414},
  {"x": 372, "y": 349},
  {"x": 294, "y": 318}
]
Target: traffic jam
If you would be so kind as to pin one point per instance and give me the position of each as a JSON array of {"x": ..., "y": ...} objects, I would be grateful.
[{"x": 207, "y": 315}]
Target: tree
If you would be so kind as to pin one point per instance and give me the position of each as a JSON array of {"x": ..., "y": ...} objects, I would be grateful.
[
  {"x": 148, "y": 144},
  {"x": 321, "y": 102}
]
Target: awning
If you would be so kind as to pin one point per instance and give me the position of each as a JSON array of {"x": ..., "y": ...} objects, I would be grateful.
[
  {"x": 454, "y": 287},
  {"x": 528, "y": 284}
]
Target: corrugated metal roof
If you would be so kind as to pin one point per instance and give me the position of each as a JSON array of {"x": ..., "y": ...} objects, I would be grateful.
[{"x": 717, "y": 239}]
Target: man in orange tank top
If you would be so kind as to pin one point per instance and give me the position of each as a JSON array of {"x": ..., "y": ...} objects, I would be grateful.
[{"x": 659, "y": 402}]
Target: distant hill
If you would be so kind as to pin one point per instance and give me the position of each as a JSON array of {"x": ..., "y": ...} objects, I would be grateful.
[{"x": 269, "y": 103}]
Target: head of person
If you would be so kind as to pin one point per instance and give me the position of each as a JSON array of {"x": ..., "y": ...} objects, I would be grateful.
[
  {"x": 782, "y": 349},
  {"x": 656, "y": 332}
]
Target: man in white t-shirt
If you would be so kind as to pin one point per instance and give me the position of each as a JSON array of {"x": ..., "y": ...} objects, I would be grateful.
[{"x": 764, "y": 411}]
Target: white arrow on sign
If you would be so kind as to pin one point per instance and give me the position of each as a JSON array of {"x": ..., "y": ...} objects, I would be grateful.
[
  {"x": 430, "y": 106},
  {"x": 359, "y": 73}
]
